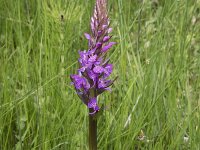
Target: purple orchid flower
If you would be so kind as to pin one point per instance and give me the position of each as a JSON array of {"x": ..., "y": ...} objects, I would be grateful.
[
  {"x": 93, "y": 105},
  {"x": 92, "y": 78}
]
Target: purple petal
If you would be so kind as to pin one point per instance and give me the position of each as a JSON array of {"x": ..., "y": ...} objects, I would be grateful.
[
  {"x": 98, "y": 69},
  {"x": 108, "y": 89},
  {"x": 86, "y": 86},
  {"x": 96, "y": 108},
  {"x": 87, "y": 36},
  {"x": 108, "y": 70},
  {"x": 91, "y": 51},
  {"x": 92, "y": 103},
  {"x": 83, "y": 55},
  {"x": 103, "y": 83},
  {"x": 100, "y": 32},
  {"x": 82, "y": 69},
  {"x": 92, "y": 75},
  {"x": 98, "y": 45},
  {"x": 98, "y": 62},
  {"x": 107, "y": 47},
  {"x": 105, "y": 26},
  {"x": 92, "y": 58},
  {"x": 110, "y": 30},
  {"x": 80, "y": 82},
  {"x": 75, "y": 80},
  {"x": 106, "y": 38}
]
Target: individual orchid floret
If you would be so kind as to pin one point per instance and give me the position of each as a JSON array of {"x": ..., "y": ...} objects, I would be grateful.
[
  {"x": 80, "y": 82},
  {"x": 92, "y": 104}
]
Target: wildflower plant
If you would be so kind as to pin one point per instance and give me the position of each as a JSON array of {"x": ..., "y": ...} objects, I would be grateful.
[{"x": 92, "y": 77}]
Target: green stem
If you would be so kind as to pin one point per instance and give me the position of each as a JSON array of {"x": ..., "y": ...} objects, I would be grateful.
[{"x": 92, "y": 133}]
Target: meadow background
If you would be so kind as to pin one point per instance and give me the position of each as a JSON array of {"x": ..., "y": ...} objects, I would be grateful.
[{"x": 154, "y": 104}]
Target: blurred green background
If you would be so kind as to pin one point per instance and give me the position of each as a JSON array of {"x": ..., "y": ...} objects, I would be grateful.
[{"x": 154, "y": 104}]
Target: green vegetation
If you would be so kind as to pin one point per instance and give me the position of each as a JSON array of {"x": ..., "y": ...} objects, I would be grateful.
[{"x": 155, "y": 103}]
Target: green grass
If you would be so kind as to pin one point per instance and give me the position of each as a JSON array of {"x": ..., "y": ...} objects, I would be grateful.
[{"x": 157, "y": 61}]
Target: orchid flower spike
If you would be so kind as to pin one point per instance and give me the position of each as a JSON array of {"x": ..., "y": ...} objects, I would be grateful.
[{"x": 92, "y": 76}]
